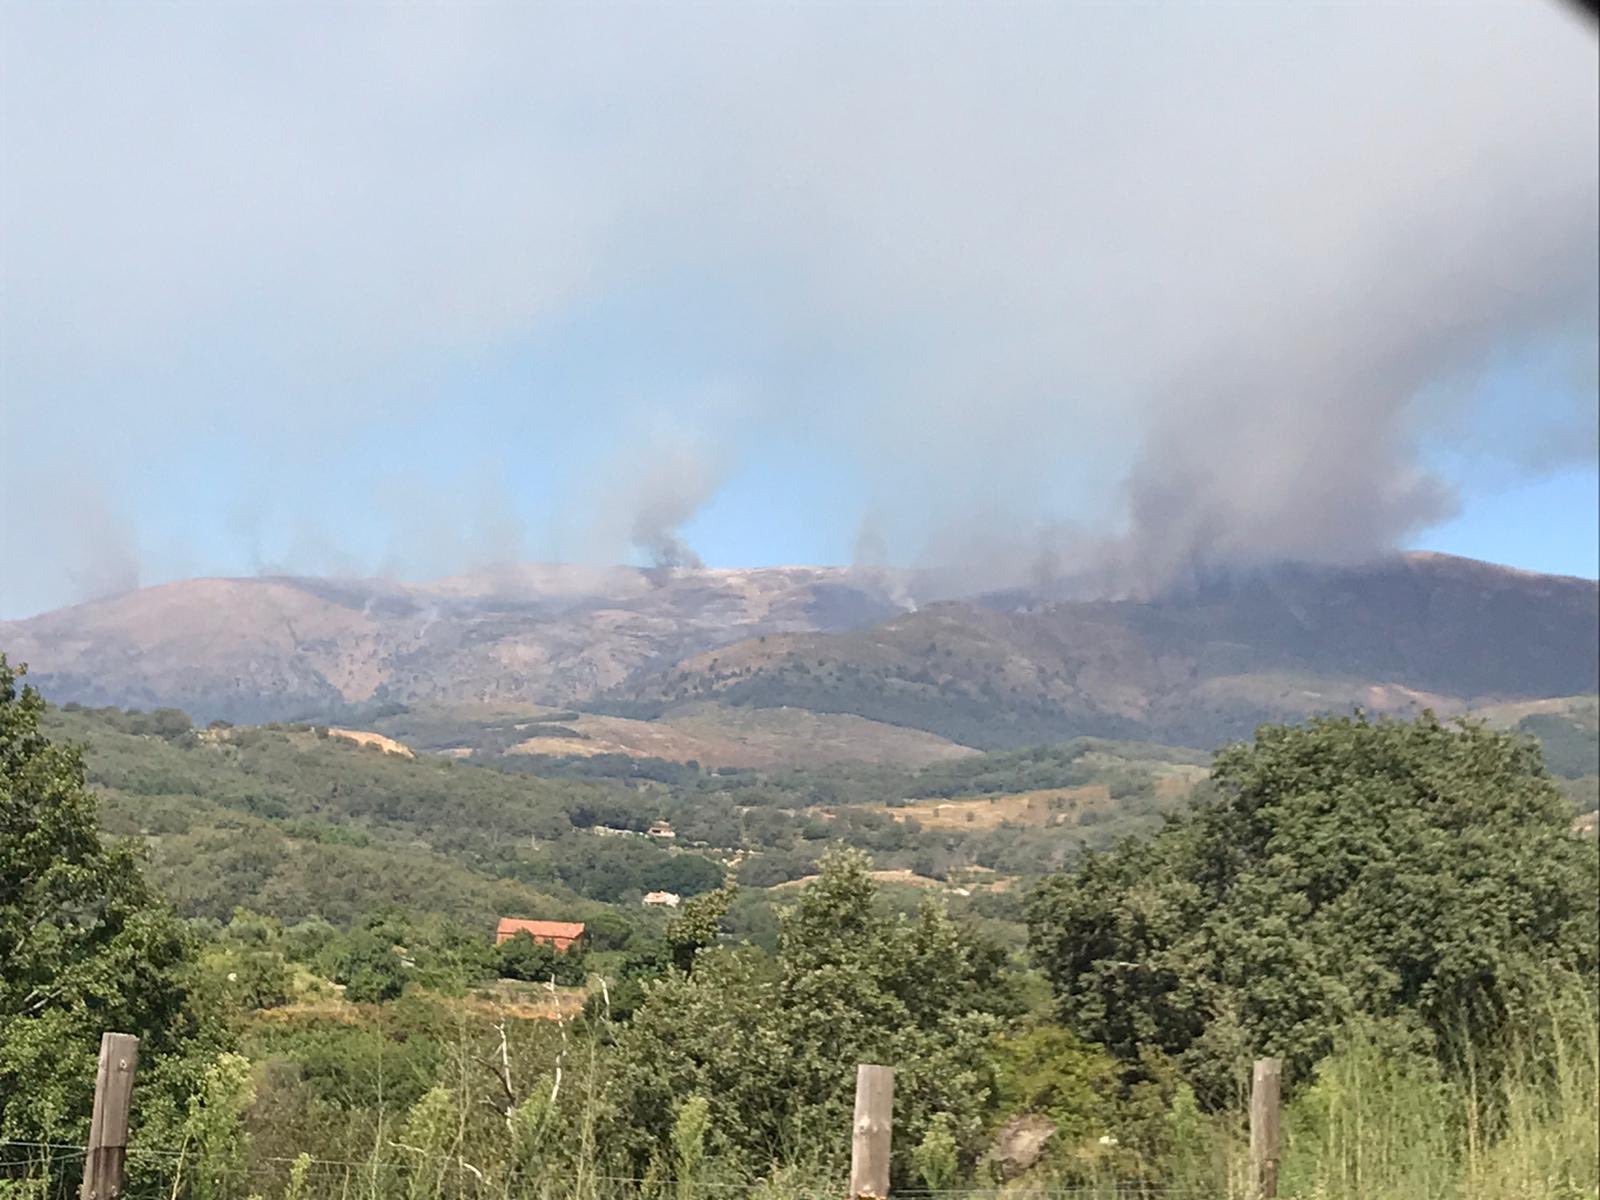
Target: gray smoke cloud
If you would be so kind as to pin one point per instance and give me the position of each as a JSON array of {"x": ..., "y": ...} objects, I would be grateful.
[
  {"x": 648, "y": 490},
  {"x": 1295, "y": 370},
  {"x": 870, "y": 552},
  {"x": 109, "y": 559},
  {"x": 1306, "y": 445},
  {"x": 1091, "y": 297},
  {"x": 76, "y": 523},
  {"x": 655, "y": 534}
]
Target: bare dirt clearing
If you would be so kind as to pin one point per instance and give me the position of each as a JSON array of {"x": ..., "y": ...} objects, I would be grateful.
[{"x": 364, "y": 737}]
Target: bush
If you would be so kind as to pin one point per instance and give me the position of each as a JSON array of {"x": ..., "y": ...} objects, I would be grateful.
[
  {"x": 370, "y": 970},
  {"x": 1345, "y": 868},
  {"x": 526, "y": 958}
]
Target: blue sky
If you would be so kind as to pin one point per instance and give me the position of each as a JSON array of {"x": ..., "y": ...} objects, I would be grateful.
[
  {"x": 1545, "y": 524},
  {"x": 412, "y": 290}
]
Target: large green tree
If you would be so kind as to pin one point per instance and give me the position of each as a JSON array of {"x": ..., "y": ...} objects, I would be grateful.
[
  {"x": 85, "y": 947},
  {"x": 1417, "y": 872},
  {"x": 773, "y": 1043}
]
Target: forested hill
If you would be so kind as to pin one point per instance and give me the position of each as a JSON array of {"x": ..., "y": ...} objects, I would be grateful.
[
  {"x": 297, "y": 823},
  {"x": 1399, "y": 911}
]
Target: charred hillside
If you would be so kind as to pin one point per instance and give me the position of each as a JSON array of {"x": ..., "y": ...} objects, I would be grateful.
[{"x": 1195, "y": 666}]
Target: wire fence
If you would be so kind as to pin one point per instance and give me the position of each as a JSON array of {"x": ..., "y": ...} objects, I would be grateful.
[{"x": 167, "y": 1165}]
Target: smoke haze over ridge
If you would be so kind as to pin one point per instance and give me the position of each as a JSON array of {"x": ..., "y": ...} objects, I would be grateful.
[{"x": 1039, "y": 291}]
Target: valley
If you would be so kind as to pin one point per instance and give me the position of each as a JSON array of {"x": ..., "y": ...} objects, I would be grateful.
[{"x": 728, "y": 780}]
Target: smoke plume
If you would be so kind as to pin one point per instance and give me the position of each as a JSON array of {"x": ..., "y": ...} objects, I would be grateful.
[
  {"x": 651, "y": 489},
  {"x": 1087, "y": 297}
]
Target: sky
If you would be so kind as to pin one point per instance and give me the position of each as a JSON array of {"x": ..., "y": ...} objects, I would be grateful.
[{"x": 1118, "y": 292}]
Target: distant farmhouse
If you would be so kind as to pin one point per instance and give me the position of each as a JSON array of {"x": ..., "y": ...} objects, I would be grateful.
[
  {"x": 559, "y": 934},
  {"x": 661, "y": 899}
]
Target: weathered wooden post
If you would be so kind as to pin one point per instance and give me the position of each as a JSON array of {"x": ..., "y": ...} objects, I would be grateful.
[
  {"x": 871, "y": 1132},
  {"x": 1265, "y": 1091},
  {"x": 108, "y": 1128}
]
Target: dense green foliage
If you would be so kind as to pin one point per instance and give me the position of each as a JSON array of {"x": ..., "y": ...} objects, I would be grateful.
[
  {"x": 1569, "y": 746},
  {"x": 1406, "y": 871},
  {"x": 1570, "y": 739},
  {"x": 85, "y": 945},
  {"x": 1397, "y": 908},
  {"x": 286, "y": 822},
  {"x": 770, "y": 1042},
  {"x": 1380, "y": 1121},
  {"x": 283, "y": 821},
  {"x": 536, "y": 962}
]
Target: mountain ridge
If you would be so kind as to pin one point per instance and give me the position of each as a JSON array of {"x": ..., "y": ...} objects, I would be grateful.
[
  {"x": 1199, "y": 666},
  {"x": 1200, "y": 663},
  {"x": 270, "y": 647}
]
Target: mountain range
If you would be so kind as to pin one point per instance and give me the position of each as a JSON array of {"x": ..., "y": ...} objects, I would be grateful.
[{"x": 1196, "y": 665}]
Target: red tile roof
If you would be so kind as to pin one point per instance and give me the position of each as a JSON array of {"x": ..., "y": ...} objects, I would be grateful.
[{"x": 559, "y": 934}]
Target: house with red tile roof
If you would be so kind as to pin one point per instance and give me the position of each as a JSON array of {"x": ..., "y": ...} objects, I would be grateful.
[{"x": 559, "y": 934}]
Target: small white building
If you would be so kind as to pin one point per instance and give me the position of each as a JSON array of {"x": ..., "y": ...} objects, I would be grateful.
[{"x": 662, "y": 899}]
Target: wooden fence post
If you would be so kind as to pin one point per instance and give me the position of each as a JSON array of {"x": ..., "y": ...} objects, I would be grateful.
[
  {"x": 108, "y": 1128},
  {"x": 1265, "y": 1090},
  {"x": 871, "y": 1132}
]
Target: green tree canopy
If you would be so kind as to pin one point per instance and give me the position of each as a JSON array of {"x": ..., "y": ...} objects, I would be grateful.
[
  {"x": 774, "y": 1044},
  {"x": 370, "y": 969},
  {"x": 85, "y": 946},
  {"x": 523, "y": 957},
  {"x": 1409, "y": 871},
  {"x": 698, "y": 926}
]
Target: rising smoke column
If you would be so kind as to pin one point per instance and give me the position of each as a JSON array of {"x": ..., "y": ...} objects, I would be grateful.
[
  {"x": 1306, "y": 446},
  {"x": 652, "y": 488},
  {"x": 1059, "y": 292}
]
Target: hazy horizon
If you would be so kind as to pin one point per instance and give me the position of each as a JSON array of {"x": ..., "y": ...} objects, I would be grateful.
[
  {"x": 1037, "y": 291},
  {"x": 940, "y": 582}
]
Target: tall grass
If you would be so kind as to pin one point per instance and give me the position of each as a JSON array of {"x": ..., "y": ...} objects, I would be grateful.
[
  {"x": 1381, "y": 1122},
  {"x": 1545, "y": 1134}
]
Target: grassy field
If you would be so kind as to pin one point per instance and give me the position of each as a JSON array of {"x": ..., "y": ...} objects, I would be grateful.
[
  {"x": 505, "y": 999},
  {"x": 709, "y": 734},
  {"x": 721, "y": 737},
  {"x": 1036, "y": 809}
]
